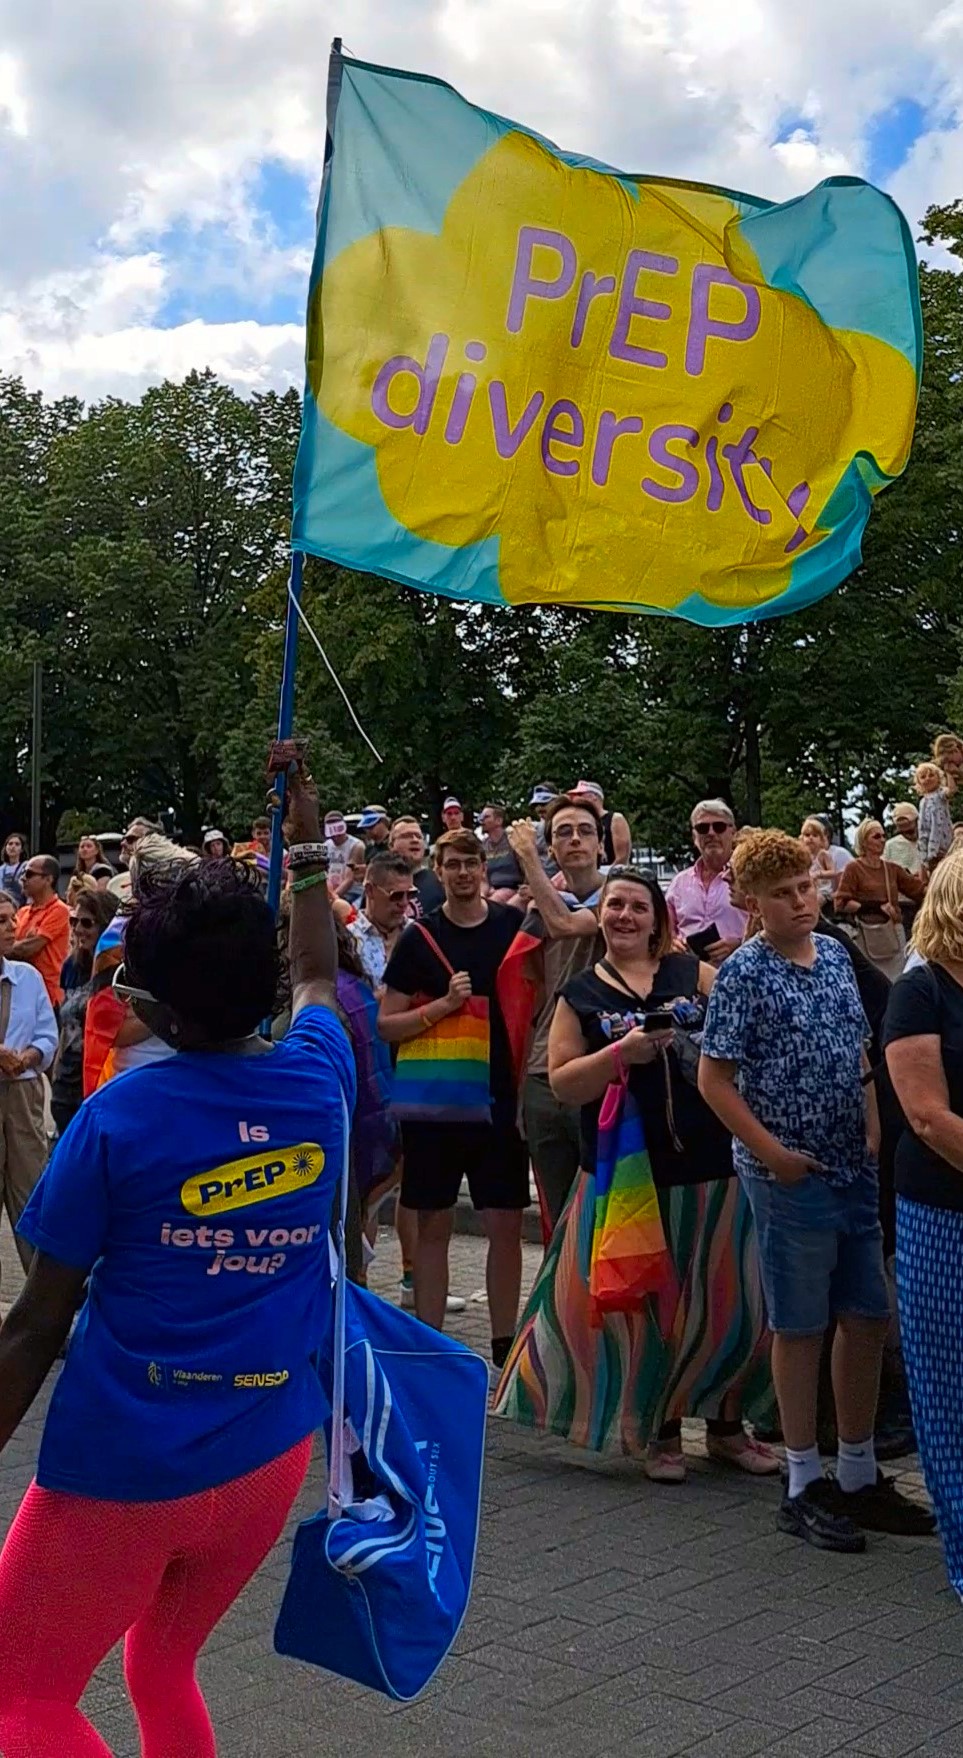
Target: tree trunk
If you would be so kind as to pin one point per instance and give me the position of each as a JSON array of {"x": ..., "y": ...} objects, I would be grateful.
[{"x": 753, "y": 772}]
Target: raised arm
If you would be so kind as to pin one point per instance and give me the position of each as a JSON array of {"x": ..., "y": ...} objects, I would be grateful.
[
  {"x": 312, "y": 946},
  {"x": 561, "y": 922}
]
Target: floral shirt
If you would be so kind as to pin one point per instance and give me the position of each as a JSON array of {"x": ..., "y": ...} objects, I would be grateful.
[
  {"x": 935, "y": 826},
  {"x": 796, "y": 1035}
]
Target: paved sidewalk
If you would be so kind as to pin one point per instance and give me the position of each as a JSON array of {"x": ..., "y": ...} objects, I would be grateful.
[{"x": 610, "y": 1617}]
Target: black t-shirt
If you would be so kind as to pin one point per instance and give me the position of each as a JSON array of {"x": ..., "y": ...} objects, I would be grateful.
[
  {"x": 926, "y": 1002},
  {"x": 706, "y": 1148},
  {"x": 414, "y": 969},
  {"x": 431, "y": 892}
]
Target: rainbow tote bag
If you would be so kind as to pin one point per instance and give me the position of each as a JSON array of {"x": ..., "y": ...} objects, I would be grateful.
[{"x": 444, "y": 1075}]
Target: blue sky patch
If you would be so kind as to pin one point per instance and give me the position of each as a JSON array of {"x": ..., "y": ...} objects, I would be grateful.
[{"x": 891, "y": 136}]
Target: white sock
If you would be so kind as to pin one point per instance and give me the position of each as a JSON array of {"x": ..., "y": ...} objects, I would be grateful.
[
  {"x": 805, "y": 1467},
  {"x": 856, "y": 1465}
]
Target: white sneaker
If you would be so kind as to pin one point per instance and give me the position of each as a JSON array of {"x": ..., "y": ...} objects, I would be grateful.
[
  {"x": 407, "y": 1295},
  {"x": 455, "y": 1303}
]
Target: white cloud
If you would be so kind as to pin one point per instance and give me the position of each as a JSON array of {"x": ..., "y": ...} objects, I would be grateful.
[{"x": 121, "y": 125}]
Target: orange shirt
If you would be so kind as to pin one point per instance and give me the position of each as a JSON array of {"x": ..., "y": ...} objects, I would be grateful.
[{"x": 52, "y": 920}]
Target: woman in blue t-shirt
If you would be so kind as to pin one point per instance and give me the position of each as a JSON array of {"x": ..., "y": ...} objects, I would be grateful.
[{"x": 195, "y": 1195}]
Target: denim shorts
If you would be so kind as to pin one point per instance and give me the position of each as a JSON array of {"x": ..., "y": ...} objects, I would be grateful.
[{"x": 820, "y": 1251}]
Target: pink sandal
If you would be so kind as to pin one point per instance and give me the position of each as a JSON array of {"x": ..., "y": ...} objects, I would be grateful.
[
  {"x": 664, "y": 1464},
  {"x": 743, "y": 1453}
]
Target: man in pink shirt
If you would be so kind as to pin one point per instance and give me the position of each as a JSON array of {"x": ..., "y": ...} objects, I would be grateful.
[{"x": 699, "y": 896}]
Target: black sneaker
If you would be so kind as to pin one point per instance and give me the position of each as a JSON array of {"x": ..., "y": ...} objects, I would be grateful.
[
  {"x": 882, "y": 1507},
  {"x": 813, "y": 1516}
]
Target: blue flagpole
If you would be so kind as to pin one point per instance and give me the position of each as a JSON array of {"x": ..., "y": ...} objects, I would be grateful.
[{"x": 285, "y": 722}]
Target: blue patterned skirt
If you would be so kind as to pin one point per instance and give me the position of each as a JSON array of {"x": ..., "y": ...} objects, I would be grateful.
[{"x": 929, "y": 1277}]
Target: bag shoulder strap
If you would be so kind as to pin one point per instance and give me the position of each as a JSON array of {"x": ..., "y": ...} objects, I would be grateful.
[
  {"x": 6, "y": 1002},
  {"x": 627, "y": 989},
  {"x": 436, "y": 949},
  {"x": 890, "y": 882}
]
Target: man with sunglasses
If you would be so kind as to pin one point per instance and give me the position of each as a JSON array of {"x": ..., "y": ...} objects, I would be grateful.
[
  {"x": 390, "y": 895},
  {"x": 699, "y": 896},
  {"x": 43, "y": 925}
]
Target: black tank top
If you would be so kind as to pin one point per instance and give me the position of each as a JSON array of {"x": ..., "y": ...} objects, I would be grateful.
[{"x": 706, "y": 1148}]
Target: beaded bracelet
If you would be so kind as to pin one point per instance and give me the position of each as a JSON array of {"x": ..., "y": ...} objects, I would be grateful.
[{"x": 309, "y": 879}]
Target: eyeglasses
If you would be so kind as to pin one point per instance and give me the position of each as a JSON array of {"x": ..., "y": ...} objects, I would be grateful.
[
  {"x": 401, "y": 896},
  {"x": 82, "y": 922},
  {"x": 565, "y": 832},
  {"x": 470, "y": 864},
  {"x": 125, "y": 991},
  {"x": 712, "y": 826}
]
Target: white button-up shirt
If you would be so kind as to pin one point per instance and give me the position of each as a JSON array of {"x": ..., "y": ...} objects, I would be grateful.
[
  {"x": 699, "y": 899},
  {"x": 32, "y": 1024}
]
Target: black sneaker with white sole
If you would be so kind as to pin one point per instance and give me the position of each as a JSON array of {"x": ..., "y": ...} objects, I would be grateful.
[
  {"x": 881, "y": 1507},
  {"x": 814, "y": 1517}
]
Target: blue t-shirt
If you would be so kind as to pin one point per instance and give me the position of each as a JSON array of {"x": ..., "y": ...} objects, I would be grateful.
[
  {"x": 198, "y": 1193},
  {"x": 797, "y": 1035}
]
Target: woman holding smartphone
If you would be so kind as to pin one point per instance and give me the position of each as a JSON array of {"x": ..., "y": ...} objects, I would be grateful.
[{"x": 628, "y": 1383}]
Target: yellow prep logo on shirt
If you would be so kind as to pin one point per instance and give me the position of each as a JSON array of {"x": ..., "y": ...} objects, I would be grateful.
[{"x": 239, "y": 1183}]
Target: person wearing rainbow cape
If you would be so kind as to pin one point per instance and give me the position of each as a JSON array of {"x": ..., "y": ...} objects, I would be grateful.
[{"x": 648, "y": 1307}]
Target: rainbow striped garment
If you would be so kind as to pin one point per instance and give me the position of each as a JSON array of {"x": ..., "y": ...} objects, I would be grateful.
[
  {"x": 443, "y": 1075},
  {"x": 630, "y": 1258}
]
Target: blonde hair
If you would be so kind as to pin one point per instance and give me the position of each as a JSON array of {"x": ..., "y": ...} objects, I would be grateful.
[
  {"x": 903, "y": 809},
  {"x": 938, "y": 929},
  {"x": 863, "y": 830},
  {"x": 77, "y": 885},
  {"x": 815, "y": 825},
  {"x": 764, "y": 857},
  {"x": 153, "y": 853},
  {"x": 925, "y": 772}
]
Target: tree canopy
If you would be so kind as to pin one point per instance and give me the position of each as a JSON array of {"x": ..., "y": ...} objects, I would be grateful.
[{"x": 143, "y": 561}]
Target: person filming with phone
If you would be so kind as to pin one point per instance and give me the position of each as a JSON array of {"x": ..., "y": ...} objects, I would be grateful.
[{"x": 704, "y": 1351}]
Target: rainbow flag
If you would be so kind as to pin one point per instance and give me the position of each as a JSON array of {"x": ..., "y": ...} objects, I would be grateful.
[
  {"x": 630, "y": 1259},
  {"x": 443, "y": 1075}
]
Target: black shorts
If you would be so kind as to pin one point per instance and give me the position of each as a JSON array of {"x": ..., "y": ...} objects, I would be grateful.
[{"x": 437, "y": 1156}]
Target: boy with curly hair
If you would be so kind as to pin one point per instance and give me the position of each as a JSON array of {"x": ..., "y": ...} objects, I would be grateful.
[{"x": 782, "y": 1063}]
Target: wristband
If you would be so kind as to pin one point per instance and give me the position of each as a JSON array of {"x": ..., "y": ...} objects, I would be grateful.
[
  {"x": 307, "y": 854},
  {"x": 309, "y": 879}
]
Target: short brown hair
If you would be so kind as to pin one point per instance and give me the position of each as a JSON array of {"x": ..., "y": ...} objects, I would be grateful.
[
  {"x": 762, "y": 858},
  {"x": 565, "y": 802},
  {"x": 461, "y": 842}
]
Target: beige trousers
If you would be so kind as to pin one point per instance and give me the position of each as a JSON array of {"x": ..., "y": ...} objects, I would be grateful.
[{"x": 23, "y": 1149}]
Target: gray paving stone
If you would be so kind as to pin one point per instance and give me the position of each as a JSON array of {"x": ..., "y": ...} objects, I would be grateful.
[{"x": 610, "y": 1619}]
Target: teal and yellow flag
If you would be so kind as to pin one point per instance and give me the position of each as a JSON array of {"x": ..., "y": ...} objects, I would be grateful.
[{"x": 533, "y": 379}]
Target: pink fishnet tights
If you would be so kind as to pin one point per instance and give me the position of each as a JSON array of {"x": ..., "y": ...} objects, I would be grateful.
[{"x": 77, "y": 1574}]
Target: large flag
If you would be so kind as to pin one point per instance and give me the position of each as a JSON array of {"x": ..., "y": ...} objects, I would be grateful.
[{"x": 534, "y": 379}]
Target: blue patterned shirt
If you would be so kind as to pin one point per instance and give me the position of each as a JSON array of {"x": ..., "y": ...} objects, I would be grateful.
[{"x": 797, "y": 1036}]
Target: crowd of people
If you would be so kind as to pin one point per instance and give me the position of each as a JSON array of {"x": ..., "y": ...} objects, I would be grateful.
[{"x": 518, "y": 1003}]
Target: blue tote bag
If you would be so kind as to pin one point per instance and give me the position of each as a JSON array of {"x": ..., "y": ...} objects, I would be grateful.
[{"x": 379, "y": 1584}]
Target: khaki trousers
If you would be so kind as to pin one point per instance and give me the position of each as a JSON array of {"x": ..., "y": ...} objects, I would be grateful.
[{"x": 23, "y": 1149}]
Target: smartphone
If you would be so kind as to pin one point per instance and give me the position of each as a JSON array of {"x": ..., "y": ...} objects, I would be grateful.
[
  {"x": 700, "y": 943},
  {"x": 660, "y": 1021}
]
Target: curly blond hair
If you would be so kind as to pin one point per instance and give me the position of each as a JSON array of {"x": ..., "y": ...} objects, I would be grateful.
[
  {"x": 938, "y": 929},
  {"x": 761, "y": 858}
]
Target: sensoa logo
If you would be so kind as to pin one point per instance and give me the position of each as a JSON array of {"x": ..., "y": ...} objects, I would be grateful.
[{"x": 240, "y": 1183}]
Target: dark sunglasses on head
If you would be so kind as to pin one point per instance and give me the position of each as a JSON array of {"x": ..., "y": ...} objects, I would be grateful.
[{"x": 713, "y": 826}]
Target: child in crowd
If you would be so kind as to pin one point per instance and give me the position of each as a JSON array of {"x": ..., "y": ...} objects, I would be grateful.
[
  {"x": 782, "y": 1062},
  {"x": 935, "y": 823}
]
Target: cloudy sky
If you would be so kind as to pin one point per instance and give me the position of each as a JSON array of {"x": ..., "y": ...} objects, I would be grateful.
[{"x": 160, "y": 159}]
